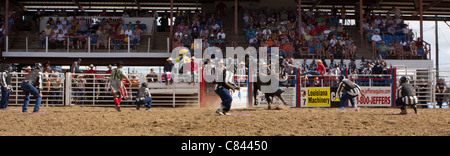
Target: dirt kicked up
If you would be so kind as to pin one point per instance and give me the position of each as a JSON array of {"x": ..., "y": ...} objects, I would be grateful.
[{"x": 106, "y": 121}]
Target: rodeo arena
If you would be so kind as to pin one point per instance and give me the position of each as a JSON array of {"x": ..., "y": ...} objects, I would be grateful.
[{"x": 224, "y": 68}]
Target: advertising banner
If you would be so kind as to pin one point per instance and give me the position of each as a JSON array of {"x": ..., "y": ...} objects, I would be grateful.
[
  {"x": 375, "y": 97},
  {"x": 240, "y": 98},
  {"x": 289, "y": 96},
  {"x": 315, "y": 97}
]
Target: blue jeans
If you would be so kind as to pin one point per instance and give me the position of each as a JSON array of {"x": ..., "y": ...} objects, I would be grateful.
[
  {"x": 226, "y": 98},
  {"x": 118, "y": 44},
  {"x": 5, "y": 98},
  {"x": 383, "y": 54},
  {"x": 56, "y": 96},
  {"x": 346, "y": 97},
  {"x": 311, "y": 72},
  {"x": 80, "y": 93},
  {"x": 147, "y": 102},
  {"x": 28, "y": 89}
]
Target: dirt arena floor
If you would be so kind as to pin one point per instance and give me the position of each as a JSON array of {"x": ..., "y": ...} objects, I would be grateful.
[{"x": 106, "y": 121}]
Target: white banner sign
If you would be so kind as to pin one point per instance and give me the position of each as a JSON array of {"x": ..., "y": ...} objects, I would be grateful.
[
  {"x": 289, "y": 96},
  {"x": 375, "y": 97}
]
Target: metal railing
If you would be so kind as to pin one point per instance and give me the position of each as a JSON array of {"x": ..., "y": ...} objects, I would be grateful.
[
  {"x": 426, "y": 83},
  {"x": 52, "y": 91},
  {"x": 83, "y": 89},
  {"x": 94, "y": 90},
  {"x": 371, "y": 80},
  {"x": 70, "y": 44}
]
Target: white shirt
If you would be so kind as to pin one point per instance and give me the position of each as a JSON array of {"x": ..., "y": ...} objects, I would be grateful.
[
  {"x": 266, "y": 32},
  {"x": 178, "y": 34},
  {"x": 128, "y": 32},
  {"x": 376, "y": 38},
  {"x": 221, "y": 34},
  {"x": 215, "y": 26},
  {"x": 333, "y": 42}
]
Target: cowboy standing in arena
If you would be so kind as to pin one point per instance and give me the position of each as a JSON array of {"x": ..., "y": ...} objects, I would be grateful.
[
  {"x": 348, "y": 90},
  {"x": 117, "y": 87},
  {"x": 406, "y": 95},
  {"x": 223, "y": 89},
  {"x": 5, "y": 86},
  {"x": 34, "y": 78}
]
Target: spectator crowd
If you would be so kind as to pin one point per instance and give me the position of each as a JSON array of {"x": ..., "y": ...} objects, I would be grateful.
[{"x": 321, "y": 34}]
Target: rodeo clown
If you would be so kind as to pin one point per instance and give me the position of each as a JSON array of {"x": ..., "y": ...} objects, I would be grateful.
[
  {"x": 406, "y": 95},
  {"x": 224, "y": 87},
  {"x": 117, "y": 87},
  {"x": 348, "y": 90},
  {"x": 34, "y": 78}
]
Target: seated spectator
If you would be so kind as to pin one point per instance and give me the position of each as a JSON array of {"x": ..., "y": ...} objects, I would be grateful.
[
  {"x": 367, "y": 70},
  {"x": 82, "y": 41},
  {"x": 133, "y": 40},
  {"x": 391, "y": 49},
  {"x": 152, "y": 76},
  {"x": 134, "y": 81},
  {"x": 391, "y": 30},
  {"x": 60, "y": 40},
  {"x": 320, "y": 70},
  {"x": 186, "y": 41},
  {"x": 177, "y": 43},
  {"x": 118, "y": 38},
  {"x": 382, "y": 49},
  {"x": 352, "y": 50},
  {"x": 378, "y": 68},
  {"x": 103, "y": 38},
  {"x": 128, "y": 32},
  {"x": 221, "y": 34},
  {"x": 178, "y": 34}
]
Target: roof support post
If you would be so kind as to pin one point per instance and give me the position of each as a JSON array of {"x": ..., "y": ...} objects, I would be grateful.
[
  {"x": 300, "y": 18},
  {"x": 235, "y": 23},
  {"x": 171, "y": 22},
  {"x": 361, "y": 35},
  {"x": 421, "y": 18}
]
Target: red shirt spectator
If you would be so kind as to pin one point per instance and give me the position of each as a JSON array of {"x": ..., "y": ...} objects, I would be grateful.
[
  {"x": 320, "y": 68},
  {"x": 194, "y": 66}
]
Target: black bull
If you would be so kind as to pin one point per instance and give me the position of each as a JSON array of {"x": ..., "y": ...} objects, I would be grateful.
[{"x": 257, "y": 86}]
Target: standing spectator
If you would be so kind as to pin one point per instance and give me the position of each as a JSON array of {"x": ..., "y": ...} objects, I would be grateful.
[
  {"x": 42, "y": 40},
  {"x": 6, "y": 86},
  {"x": 441, "y": 89},
  {"x": 80, "y": 91},
  {"x": 109, "y": 69},
  {"x": 56, "y": 87},
  {"x": 375, "y": 39},
  {"x": 91, "y": 70},
  {"x": 75, "y": 68}
]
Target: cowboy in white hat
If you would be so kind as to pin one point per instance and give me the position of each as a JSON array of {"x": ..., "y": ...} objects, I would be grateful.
[{"x": 168, "y": 70}]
